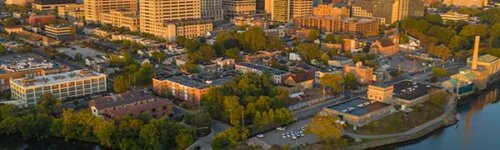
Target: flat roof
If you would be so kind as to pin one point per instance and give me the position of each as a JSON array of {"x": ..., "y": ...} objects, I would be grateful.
[
  {"x": 121, "y": 99},
  {"x": 409, "y": 90},
  {"x": 139, "y": 108},
  {"x": 263, "y": 68},
  {"x": 56, "y": 78},
  {"x": 487, "y": 58},
  {"x": 358, "y": 106},
  {"x": 187, "y": 81}
]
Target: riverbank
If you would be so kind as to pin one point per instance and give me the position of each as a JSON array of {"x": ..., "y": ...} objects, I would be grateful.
[{"x": 376, "y": 141}]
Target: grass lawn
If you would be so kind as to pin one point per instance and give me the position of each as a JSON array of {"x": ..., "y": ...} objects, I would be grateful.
[{"x": 401, "y": 121}]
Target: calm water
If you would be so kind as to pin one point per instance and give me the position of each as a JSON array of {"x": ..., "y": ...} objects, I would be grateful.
[
  {"x": 478, "y": 128},
  {"x": 16, "y": 142}
]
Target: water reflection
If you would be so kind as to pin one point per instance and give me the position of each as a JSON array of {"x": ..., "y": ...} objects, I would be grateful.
[{"x": 476, "y": 106}]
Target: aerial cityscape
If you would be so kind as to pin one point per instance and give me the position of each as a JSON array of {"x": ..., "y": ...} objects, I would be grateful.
[{"x": 249, "y": 74}]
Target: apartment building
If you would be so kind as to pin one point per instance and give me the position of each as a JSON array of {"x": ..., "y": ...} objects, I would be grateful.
[
  {"x": 131, "y": 103},
  {"x": 61, "y": 31},
  {"x": 62, "y": 85},
  {"x": 122, "y": 18},
  {"x": 388, "y": 11},
  {"x": 188, "y": 89},
  {"x": 50, "y": 5},
  {"x": 212, "y": 10},
  {"x": 234, "y": 8},
  {"x": 367, "y": 27},
  {"x": 331, "y": 10},
  {"x": 95, "y": 8},
  {"x": 171, "y": 18}
]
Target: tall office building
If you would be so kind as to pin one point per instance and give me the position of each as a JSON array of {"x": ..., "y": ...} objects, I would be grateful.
[
  {"x": 212, "y": 10},
  {"x": 94, "y": 8},
  {"x": 233, "y": 8},
  {"x": 387, "y": 11},
  {"x": 171, "y": 18},
  {"x": 286, "y": 10},
  {"x": 331, "y": 10}
]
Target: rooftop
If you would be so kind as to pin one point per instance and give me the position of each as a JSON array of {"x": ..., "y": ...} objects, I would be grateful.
[
  {"x": 22, "y": 63},
  {"x": 263, "y": 68},
  {"x": 358, "y": 106},
  {"x": 487, "y": 58},
  {"x": 56, "y": 78},
  {"x": 52, "y": 2},
  {"x": 409, "y": 90},
  {"x": 138, "y": 108},
  {"x": 121, "y": 99}
]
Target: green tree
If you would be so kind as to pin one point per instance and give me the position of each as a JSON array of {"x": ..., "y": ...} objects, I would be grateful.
[
  {"x": 313, "y": 35},
  {"x": 233, "y": 53},
  {"x": 183, "y": 140},
  {"x": 433, "y": 18},
  {"x": 254, "y": 39},
  {"x": 309, "y": 51},
  {"x": 350, "y": 81},
  {"x": 10, "y": 22},
  {"x": 158, "y": 56},
  {"x": 198, "y": 120},
  {"x": 440, "y": 51},
  {"x": 121, "y": 84},
  {"x": 325, "y": 128},
  {"x": 190, "y": 67},
  {"x": 78, "y": 57},
  {"x": 439, "y": 72},
  {"x": 275, "y": 43},
  {"x": 48, "y": 104},
  {"x": 458, "y": 42},
  {"x": 330, "y": 38},
  {"x": 473, "y": 30},
  {"x": 325, "y": 58},
  {"x": 104, "y": 130},
  {"x": 3, "y": 50},
  {"x": 438, "y": 98},
  {"x": 35, "y": 126},
  {"x": 334, "y": 81}
]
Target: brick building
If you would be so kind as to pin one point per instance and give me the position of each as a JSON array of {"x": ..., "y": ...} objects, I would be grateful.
[{"x": 367, "y": 27}]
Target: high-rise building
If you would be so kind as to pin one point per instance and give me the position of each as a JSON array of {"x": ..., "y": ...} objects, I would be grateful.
[
  {"x": 286, "y": 10},
  {"x": 212, "y": 10},
  {"x": 367, "y": 27},
  {"x": 62, "y": 85},
  {"x": 171, "y": 18},
  {"x": 281, "y": 10},
  {"x": 387, "y": 11},
  {"x": 466, "y": 3},
  {"x": 235, "y": 8},
  {"x": 268, "y": 6},
  {"x": 95, "y": 8}
]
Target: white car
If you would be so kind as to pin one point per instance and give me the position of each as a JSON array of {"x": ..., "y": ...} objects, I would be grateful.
[
  {"x": 284, "y": 137},
  {"x": 280, "y": 128},
  {"x": 294, "y": 137},
  {"x": 260, "y": 135},
  {"x": 288, "y": 135}
]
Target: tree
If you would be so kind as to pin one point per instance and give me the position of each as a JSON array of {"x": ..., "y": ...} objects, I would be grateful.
[
  {"x": 103, "y": 130},
  {"x": 334, "y": 81},
  {"x": 158, "y": 56},
  {"x": 198, "y": 120},
  {"x": 183, "y": 140},
  {"x": 309, "y": 51},
  {"x": 10, "y": 22},
  {"x": 433, "y": 18},
  {"x": 330, "y": 38},
  {"x": 440, "y": 51},
  {"x": 403, "y": 39},
  {"x": 3, "y": 50},
  {"x": 190, "y": 67},
  {"x": 275, "y": 43},
  {"x": 233, "y": 53},
  {"x": 438, "y": 98},
  {"x": 473, "y": 30},
  {"x": 254, "y": 39},
  {"x": 325, "y": 58},
  {"x": 35, "y": 126},
  {"x": 121, "y": 84},
  {"x": 313, "y": 35},
  {"x": 78, "y": 57},
  {"x": 439, "y": 72},
  {"x": 48, "y": 104},
  {"x": 458, "y": 42},
  {"x": 350, "y": 81},
  {"x": 326, "y": 128}
]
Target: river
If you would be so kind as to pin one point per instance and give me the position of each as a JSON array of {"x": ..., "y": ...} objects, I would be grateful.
[{"x": 478, "y": 127}]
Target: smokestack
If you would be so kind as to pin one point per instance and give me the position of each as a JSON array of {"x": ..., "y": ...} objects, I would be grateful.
[{"x": 475, "y": 53}]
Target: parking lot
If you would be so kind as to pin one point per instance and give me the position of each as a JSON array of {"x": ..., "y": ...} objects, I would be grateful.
[{"x": 275, "y": 137}]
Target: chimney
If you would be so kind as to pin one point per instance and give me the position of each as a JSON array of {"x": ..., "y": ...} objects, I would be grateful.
[{"x": 475, "y": 53}]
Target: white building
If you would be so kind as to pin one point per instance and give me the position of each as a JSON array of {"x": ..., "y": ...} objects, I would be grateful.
[{"x": 63, "y": 85}]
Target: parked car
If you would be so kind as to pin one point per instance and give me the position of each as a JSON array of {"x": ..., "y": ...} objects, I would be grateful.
[{"x": 260, "y": 135}]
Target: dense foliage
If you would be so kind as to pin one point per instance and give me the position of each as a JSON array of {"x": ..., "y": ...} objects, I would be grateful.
[{"x": 126, "y": 133}]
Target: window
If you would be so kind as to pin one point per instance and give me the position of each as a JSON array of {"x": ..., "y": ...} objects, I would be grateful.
[{"x": 153, "y": 110}]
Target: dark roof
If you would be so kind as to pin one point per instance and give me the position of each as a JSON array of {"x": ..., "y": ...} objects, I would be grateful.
[
  {"x": 408, "y": 90},
  {"x": 120, "y": 99},
  {"x": 356, "y": 103},
  {"x": 385, "y": 42},
  {"x": 49, "y": 2},
  {"x": 138, "y": 108}
]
